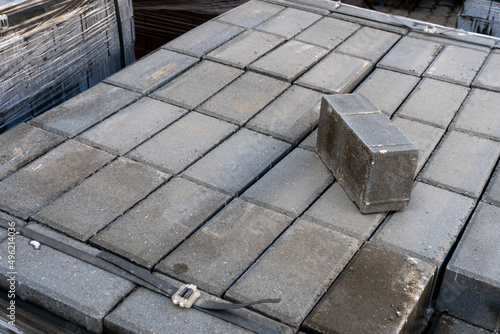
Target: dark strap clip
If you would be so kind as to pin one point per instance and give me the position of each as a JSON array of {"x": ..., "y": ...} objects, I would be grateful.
[{"x": 186, "y": 295}]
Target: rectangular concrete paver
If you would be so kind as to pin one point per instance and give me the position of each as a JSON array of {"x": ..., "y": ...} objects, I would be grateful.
[
  {"x": 197, "y": 85},
  {"x": 463, "y": 163},
  {"x": 232, "y": 165},
  {"x": 471, "y": 284},
  {"x": 280, "y": 273},
  {"x": 93, "y": 204},
  {"x": 429, "y": 225},
  {"x": 251, "y": 14},
  {"x": 216, "y": 255},
  {"x": 159, "y": 223},
  {"x": 492, "y": 194},
  {"x": 182, "y": 143},
  {"x": 152, "y": 71},
  {"x": 328, "y": 32},
  {"x": 42, "y": 180},
  {"x": 293, "y": 184},
  {"x": 243, "y": 98},
  {"x": 131, "y": 126},
  {"x": 289, "y": 22},
  {"x": 381, "y": 291},
  {"x": 487, "y": 77},
  {"x": 22, "y": 144},
  {"x": 84, "y": 110}
]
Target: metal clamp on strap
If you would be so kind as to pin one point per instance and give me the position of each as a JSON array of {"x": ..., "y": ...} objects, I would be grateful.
[
  {"x": 4, "y": 22},
  {"x": 186, "y": 295}
]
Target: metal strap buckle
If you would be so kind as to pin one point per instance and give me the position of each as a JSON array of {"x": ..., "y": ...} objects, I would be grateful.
[
  {"x": 4, "y": 22},
  {"x": 186, "y": 295}
]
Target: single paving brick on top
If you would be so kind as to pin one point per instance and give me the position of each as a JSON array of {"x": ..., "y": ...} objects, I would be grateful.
[
  {"x": 298, "y": 268},
  {"x": 216, "y": 255},
  {"x": 251, "y": 14},
  {"x": 328, "y": 32},
  {"x": 471, "y": 284},
  {"x": 42, "y": 180},
  {"x": 22, "y": 144},
  {"x": 492, "y": 194},
  {"x": 93, "y": 204},
  {"x": 488, "y": 76},
  {"x": 152, "y": 71},
  {"x": 159, "y": 223},
  {"x": 289, "y": 22},
  {"x": 84, "y": 110}
]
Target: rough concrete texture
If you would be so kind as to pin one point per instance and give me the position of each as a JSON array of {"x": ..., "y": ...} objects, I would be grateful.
[
  {"x": 243, "y": 98},
  {"x": 289, "y": 22},
  {"x": 84, "y": 110},
  {"x": 471, "y": 284},
  {"x": 336, "y": 73},
  {"x": 245, "y": 48},
  {"x": 487, "y": 78},
  {"x": 152, "y": 71},
  {"x": 236, "y": 162},
  {"x": 434, "y": 102},
  {"x": 289, "y": 60},
  {"x": 159, "y": 223},
  {"x": 291, "y": 116},
  {"x": 23, "y": 144},
  {"x": 411, "y": 56},
  {"x": 381, "y": 291},
  {"x": 182, "y": 143},
  {"x": 63, "y": 285},
  {"x": 97, "y": 201},
  {"x": 457, "y": 65},
  {"x": 251, "y": 14},
  {"x": 387, "y": 89},
  {"x": 463, "y": 163},
  {"x": 429, "y": 225},
  {"x": 328, "y": 32},
  {"x": 335, "y": 210},
  {"x": 42, "y": 180},
  {"x": 304, "y": 245},
  {"x": 204, "y": 38},
  {"x": 216, "y": 255},
  {"x": 131, "y": 126},
  {"x": 197, "y": 85},
  {"x": 451, "y": 325},
  {"x": 310, "y": 142},
  {"x": 478, "y": 117},
  {"x": 492, "y": 194}
]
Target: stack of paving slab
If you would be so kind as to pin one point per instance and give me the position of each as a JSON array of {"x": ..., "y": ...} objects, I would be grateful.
[
  {"x": 56, "y": 50},
  {"x": 480, "y": 16},
  {"x": 198, "y": 163}
]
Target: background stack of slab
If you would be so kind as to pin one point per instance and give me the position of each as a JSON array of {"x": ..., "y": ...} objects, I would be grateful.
[{"x": 481, "y": 16}]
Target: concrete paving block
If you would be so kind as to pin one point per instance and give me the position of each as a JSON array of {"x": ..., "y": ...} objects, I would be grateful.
[
  {"x": 328, "y": 32},
  {"x": 160, "y": 222},
  {"x": 302, "y": 6},
  {"x": 97, "y": 201},
  {"x": 84, "y": 110},
  {"x": 492, "y": 194},
  {"x": 289, "y": 61},
  {"x": 204, "y": 38},
  {"x": 429, "y": 225},
  {"x": 291, "y": 116},
  {"x": 426, "y": 137},
  {"x": 289, "y": 22},
  {"x": 63, "y": 285},
  {"x": 251, "y": 14},
  {"x": 369, "y": 43},
  {"x": 292, "y": 185},
  {"x": 239, "y": 160},
  {"x": 243, "y": 98},
  {"x": 434, "y": 102},
  {"x": 451, "y": 325},
  {"x": 411, "y": 56},
  {"x": 197, "y": 85},
  {"x": 22, "y": 144},
  {"x": 487, "y": 78},
  {"x": 245, "y": 48},
  {"x": 131, "y": 126},
  {"x": 216, "y": 255},
  {"x": 152, "y": 71},
  {"x": 462, "y": 163},
  {"x": 387, "y": 89},
  {"x": 471, "y": 284},
  {"x": 42, "y": 180},
  {"x": 335, "y": 210},
  {"x": 5, "y": 220},
  {"x": 182, "y": 143},
  {"x": 304, "y": 245},
  {"x": 336, "y": 73},
  {"x": 381, "y": 291},
  {"x": 478, "y": 116},
  {"x": 310, "y": 142},
  {"x": 457, "y": 64}
]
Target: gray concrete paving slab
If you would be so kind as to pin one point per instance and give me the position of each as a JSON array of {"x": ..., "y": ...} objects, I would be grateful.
[
  {"x": 302, "y": 6},
  {"x": 361, "y": 17},
  {"x": 492, "y": 194},
  {"x": 131, "y": 126},
  {"x": 310, "y": 142},
  {"x": 328, "y": 32},
  {"x": 487, "y": 78},
  {"x": 251, "y": 14},
  {"x": 450, "y": 325},
  {"x": 289, "y": 22}
]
